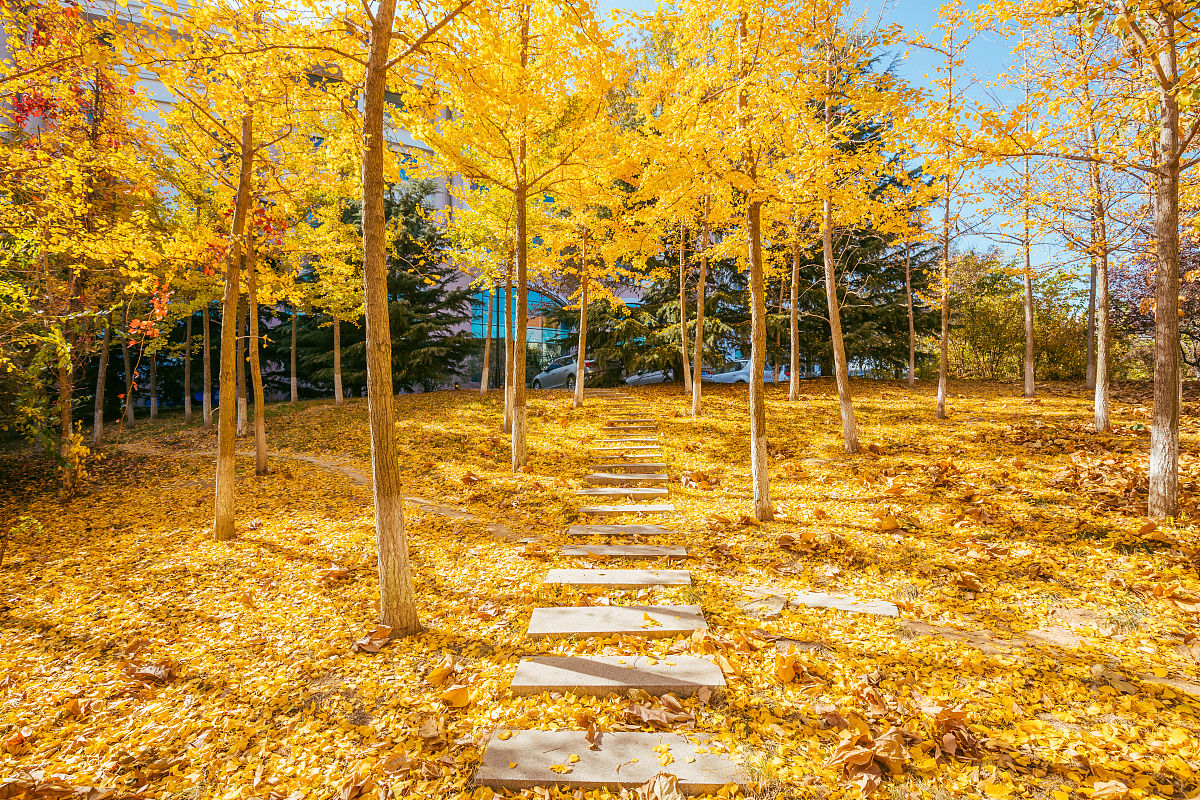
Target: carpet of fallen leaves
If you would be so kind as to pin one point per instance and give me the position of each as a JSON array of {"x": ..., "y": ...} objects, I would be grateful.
[{"x": 1046, "y": 647}]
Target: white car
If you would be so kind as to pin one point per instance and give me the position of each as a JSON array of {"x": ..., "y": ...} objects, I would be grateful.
[{"x": 739, "y": 372}]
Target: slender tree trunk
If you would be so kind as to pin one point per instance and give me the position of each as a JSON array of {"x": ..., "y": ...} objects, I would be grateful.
[
  {"x": 1164, "y": 430},
  {"x": 487, "y": 347},
  {"x": 520, "y": 444},
  {"x": 224, "y": 494},
  {"x": 1030, "y": 386},
  {"x": 66, "y": 395},
  {"x": 397, "y": 600},
  {"x": 944, "y": 356},
  {"x": 243, "y": 411},
  {"x": 153, "y": 386},
  {"x": 840, "y": 367},
  {"x": 759, "y": 476},
  {"x": 206, "y": 369},
  {"x": 683, "y": 332},
  {"x": 294, "y": 378},
  {"x": 130, "y": 382},
  {"x": 187, "y": 370},
  {"x": 794, "y": 325},
  {"x": 583, "y": 308},
  {"x": 509, "y": 346},
  {"x": 912, "y": 328},
  {"x": 779, "y": 330},
  {"x": 337, "y": 360},
  {"x": 101, "y": 376},
  {"x": 256, "y": 379},
  {"x": 698, "y": 348},
  {"x": 1100, "y": 289},
  {"x": 1090, "y": 376}
]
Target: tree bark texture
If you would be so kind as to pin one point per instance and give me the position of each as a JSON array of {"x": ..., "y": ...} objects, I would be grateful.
[
  {"x": 487, "y": 347},
  {"x": 683, "y": 332},
  {"x": 187, "y": 370},
  {"x": 243, "y": 411},
  {"x": 260, "y": 423},
  {"x": 206, "y": 370},
  {"x": 698, "y": 344},
  {"x": 583, "y": 309},
  {"x": 294, "y": 379},
  {"x": 101, "y": 376},
  {"x": 840, "y": 367},
  {"x": 338, "y": 397},
  {"x": 794, "y": 326},
  {"x": 912, "y": 328}
]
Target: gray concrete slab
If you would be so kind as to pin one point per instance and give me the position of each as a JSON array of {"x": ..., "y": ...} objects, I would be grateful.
[
  {"x": 641, "y": 449},
  {"x": 629, "y": 466},
  {"x": 628, "y": 508},
  {"x": 618, "y": 530},
  {"x": 624, "y": 491},
  {"x": 600, "y": 676},
  {"x": 619, "y": 578},
  {"x": 610, "y": 428},
  {"x": 650, "y": 621},
  {"x": 631, "y": 439},
  {"x": 616, "y": 478},
  {"x": 845, "y": 602},
  {"x": 623, "y": 759},
  {"x": 624, "y": 551}
]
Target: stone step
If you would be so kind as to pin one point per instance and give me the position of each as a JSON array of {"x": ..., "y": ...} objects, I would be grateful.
[
  {"x": 613, "y": 478},
  {"x": 601, "y": 676},
  {"x": 627, "y": 428},
  {"x": 629, "y": 419},
  {"x": 525, "y": 759},
  {"x": 629, "y": 508},
  {"x": 618, "y": 530},
  {"x": 619, "y": 578},
  {"x": 640, "y": 450},
  {"x": 624, "y": 491},
  {"x": 624, "y": 551},
  {"x": 653, "y": 622},
  {"x": 638, "y": 467},
  {"x": 636, "y": 439}
]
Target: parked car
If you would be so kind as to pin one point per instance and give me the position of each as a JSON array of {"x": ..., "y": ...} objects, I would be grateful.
[
  {"x": 739, "y": 372},
  {"x": 650, "y": 376},
  {"x": 561, "y": 373}
]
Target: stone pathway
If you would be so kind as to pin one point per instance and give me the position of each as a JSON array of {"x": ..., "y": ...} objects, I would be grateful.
[{"x": 526, "y": 759}]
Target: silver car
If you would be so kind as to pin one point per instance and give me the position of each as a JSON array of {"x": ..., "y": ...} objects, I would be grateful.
[
  {"x": 739, "y": 372},
  {"x": 650, "y": 376}
]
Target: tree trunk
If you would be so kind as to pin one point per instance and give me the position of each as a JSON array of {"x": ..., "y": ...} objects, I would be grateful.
[
  {"x": 794, "y": 325},
  {"x": 1090, "y": 376},
  {"x": 1164, "y": 430},
  {"x": 337, "y": 360},
  {"x": 1030, "y": 386},
  {"x": 66, "y": 394},
  {"x": 944, "y": 356},
  {"x": 260, "y": 423},
  {"x": 583, "y": 303},
  {"x": 509, "y": 347},
  {"x": 912, "y": 328},
  {"x": 153, "y": 386},
  {"x": 1100, "y": 289},
  {"x": 225, "y": 489},
  {"x": 187, "y": 370},
  {"x": 243, "y": 411},
  {"x": 294, "y": 378},
  {"x": 698, "y": 349},
  {"x": 779, "y": 330},
  {"x": 101, "y": 375},
  {"x": 487, "y": 347},
  {"x": 397, "y": 600},
  {"x": 520, "y": 445},
  {"x": 130, "y": 383},
  {"x": 840, "y": 367},
  {"x": 206, "y": 368},
  {"x": 683, "y": 336},
  {"x": 759, "y": 476}
]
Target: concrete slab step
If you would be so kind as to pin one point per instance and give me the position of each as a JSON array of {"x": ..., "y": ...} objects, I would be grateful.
[
  {"x": 631, "y": 419},
  {"x": 624, "y": 551},
  {"x": 652, "y": 622},
  {"x": 618, "y": 530},
  {"x": 624, "y": 491},
  {"x": 600, "y": 676},
  {"x": 632, "y": 439},
  {"x": 619, "y": 578},
  {"x": 628, "y": 508},
  {"x": 614, "y": 478},
  {"x": 641, "y": 467},
  {"x": 623, "y": 759}
]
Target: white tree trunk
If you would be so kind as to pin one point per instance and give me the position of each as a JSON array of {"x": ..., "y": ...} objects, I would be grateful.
[
  {"x": 912, "y": 328},
  {"x": 583, "y": 309},
  {"x": 944, "y": 355},
  {"x": 101, "y": 376},
  {"x": 243, "y": 410},
  {"x": 840, "y": 367},
  {"x": 206, "y": 369},
  {"x": 487, "y": 346},
  {"x": 759, "y": 451},
  {"x": 294, "y": 379},
  {"x": 683, "y": 332},
  {"x": 260, "y": 424},
  {"x": 338, "y": 397},
  {"x": 794, "y": 326},
  {"x": 698, "y": 349},
  {"x": 187, "y": 369}
]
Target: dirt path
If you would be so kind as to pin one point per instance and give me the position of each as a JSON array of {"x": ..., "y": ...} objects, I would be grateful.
[{"x": 352, "y": 474}]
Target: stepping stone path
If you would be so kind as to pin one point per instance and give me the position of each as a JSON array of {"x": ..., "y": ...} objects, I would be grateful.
[{"x": 527, "y": 759}]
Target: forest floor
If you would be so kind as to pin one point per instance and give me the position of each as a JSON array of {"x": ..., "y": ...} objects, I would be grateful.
[{"x": 1047, "y": 644}]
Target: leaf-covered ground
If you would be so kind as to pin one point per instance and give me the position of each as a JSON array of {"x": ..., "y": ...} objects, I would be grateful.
[{"x": 1047, "y": 644}]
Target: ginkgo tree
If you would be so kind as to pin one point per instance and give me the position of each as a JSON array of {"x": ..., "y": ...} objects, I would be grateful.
[{"x": 516, "y": 121}]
